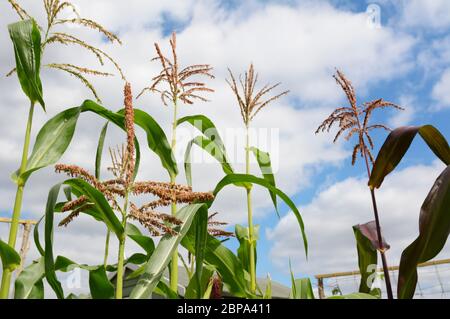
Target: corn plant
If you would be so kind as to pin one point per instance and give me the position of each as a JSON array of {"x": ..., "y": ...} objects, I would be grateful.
[
  {"x": 108, "y": 199},
  {"x": 434, "y": 220},
  {"x": 175, "y": 85},
  {"x": 355, "y": 120},
  {"x": 29, "y": 49},
  {"x": 250, "y": 102}
]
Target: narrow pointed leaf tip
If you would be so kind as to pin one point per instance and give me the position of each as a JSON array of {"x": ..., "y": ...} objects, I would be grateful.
[{"x": 26, "y": 39}]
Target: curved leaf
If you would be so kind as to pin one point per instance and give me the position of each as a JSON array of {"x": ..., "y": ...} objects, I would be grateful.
[
  {"x": 434, "y": 229},
  {"x": 101, "y": 205},
  {"x": 243, "y": 178},
  {"x": 29, "y": 283},
  {"x": 223, "y": 260},
  {"x": 99, "y": 284},
  {"x": 145, "y": 242},
  {"x": 37, "y": 241},
  {"x": 192, "y": 291},
  {"x": 50, "y": 273},
  {"x": 201, "y": 236},
  {"x": 210, "y": 147},
  {"x": 116, "y": 118},
  {"x": 51, "y": 142},
  {"x": 26, "y": 38},
  {"x": 10, "y": 258},
  {"x": 367, "y": 256},
  {"x": 263, "y": 159},
  {"x": 396, "y": 145},
  {"x": 206, "y": 126},
  {"x": 157, "y": 140},
  {"x": 98, "y": 154},
  {"x": 163, "y": 254}
]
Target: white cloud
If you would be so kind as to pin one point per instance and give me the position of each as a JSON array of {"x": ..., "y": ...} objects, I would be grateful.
[
  {"x": 298, "y": 45},
  {"x": 441, "y": 91},
  {"x": 329, "y": 218},
  {"x": 424, "y": 13},
  {"x": 402, "y": 118}
]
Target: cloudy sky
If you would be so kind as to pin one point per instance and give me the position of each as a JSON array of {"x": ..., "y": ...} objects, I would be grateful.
[{"x": 401, "y": 55}]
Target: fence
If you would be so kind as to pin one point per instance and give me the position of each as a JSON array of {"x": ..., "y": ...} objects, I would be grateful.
[
  {"x": 433, "y": 281},
  {"x": 25, "y": 245}
]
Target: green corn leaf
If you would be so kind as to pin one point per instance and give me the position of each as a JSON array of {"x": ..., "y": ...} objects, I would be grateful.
[
  {"x": 163, "y": 253},
  {"x": 367, "y": 253},
  {"x": 192, "y": 290},
  {"x": 303, "y": 289},
  {"x": 210, "y": 147},
  {"x": 223, "y": 261},
  {"x": 99, "y": 284},
  {"x": 10, "y": 258},
  {"x": 101, "y": 205},
  {"x": 145, "y": 242},
  {"x": 434, "y": 229},
  {"x": 206, "y": 127},
  {"x": 243, "y": 178},
  {"x": 26, "y": 39},
  {"x": 263, "y": 159},
  {"x": 268, "y": 291},
  {"x": 157, "y": 140},
  {"x": 356, "y": 295},
  {"x": 98, "y": 154},
  {"x": 242, "y": 235},
  {"x": 50, "y": 272},
  {"x": 37, "y": 241},
  {"x": 163, "y": 289},
  {"x": 397, "y": 144},
  {"x": 51, "y": 142},
  {"x": 28, "y": 284},
  {"x": 201, "y": 237},
  {"x": 115, "y": 117}
]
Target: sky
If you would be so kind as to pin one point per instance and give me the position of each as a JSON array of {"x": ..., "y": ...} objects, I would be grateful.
[{"x": 396, "y": 50}]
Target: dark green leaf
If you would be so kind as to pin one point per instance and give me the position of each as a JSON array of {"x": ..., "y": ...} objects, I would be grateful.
[
  {"x": 50, "y": 273},
  {"x": 224, "y": 262},
  {"x": 192, "y": 291},
  {"x": 163, "y": 253},
  {"x": 201, "y": 233},
  {"x": 396, "y": 145},
  {"x": 37, "y": 242},
  {"x": 157, "y": 140},
  {"x": 99, "y": 284},
  {"x": 98, "y": 155},
  {"x": 163, "y": 289},
  {"x": 145, "y": 242},
  {"x": 101, "y": 205},
  {"x": 243, "y": 178},
  {"x": 10, "y": 258},
  {"x": 26, "y": 38},
  {"x": 434, "y": 229}
]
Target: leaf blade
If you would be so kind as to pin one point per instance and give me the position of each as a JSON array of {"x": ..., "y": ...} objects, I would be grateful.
[{"x": 434, "y": 229}]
